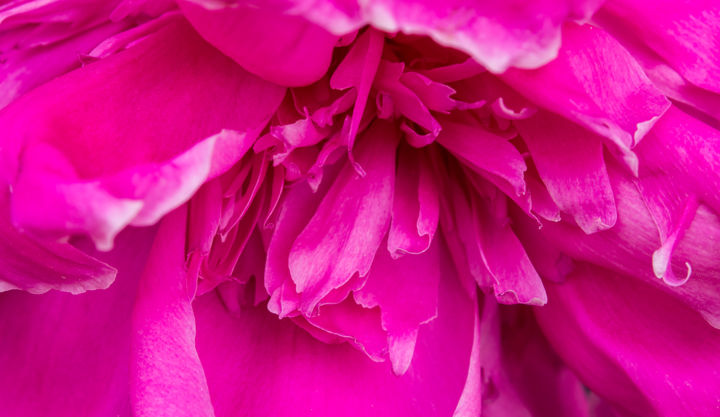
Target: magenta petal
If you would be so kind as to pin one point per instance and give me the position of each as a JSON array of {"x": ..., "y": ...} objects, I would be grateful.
[
  {"x": 284, "y": 49},
  {"x": 67, "y": 355},
  {"x": 37, "y": 265},
  {"x": 498, "y": 35},
  {"x": 260, "y": 366},
  {"x": 570, "y": 162},
  {"x": 485, "y": 152},
  {"x": 60, "y": 149},
  {"x": 346, "y": 230},
  {"x": 685, "y": 33},
  {"x": 416, "y": 206},
  {"x": 167, "y": 378},
  {"x": 406, "y": 290},
  {"x": 638, "y": 348},
  {"x": 622, "y": 108}
]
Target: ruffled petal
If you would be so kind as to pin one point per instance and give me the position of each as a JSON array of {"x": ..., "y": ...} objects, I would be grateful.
[
  {"x": 570, "y": 162},
  {"x": 575, "y": 85},
  {"x": 67, "y": 355},
  {"x": 634, "y": 345},
  {"x": 349, "y": 225},
  {"x": 286, "y": 50},
  {"x": 60, "y": 148},
  {"x": 498, "y": 35}
]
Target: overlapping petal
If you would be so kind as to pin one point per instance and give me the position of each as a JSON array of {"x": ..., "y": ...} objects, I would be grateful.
[{"x": 100, "y": 164}]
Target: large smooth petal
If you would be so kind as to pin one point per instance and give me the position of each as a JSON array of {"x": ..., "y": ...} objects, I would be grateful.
[
  {"x": 635, "y": 346},
  {"x": 60, "y": 149},
  {"x": 166, "y": 377},
  {"x": 596, "y": 83},
  {"x": 259, "y": 365},
  {"x": 67, "y": 355},
  {"x": 284, "y": 49}
]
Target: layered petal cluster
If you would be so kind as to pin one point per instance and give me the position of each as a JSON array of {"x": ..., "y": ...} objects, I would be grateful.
[{"x": 411, "y": 208}]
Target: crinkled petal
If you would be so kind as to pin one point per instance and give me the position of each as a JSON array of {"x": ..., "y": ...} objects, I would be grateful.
[{"x": 596, "y": 83}]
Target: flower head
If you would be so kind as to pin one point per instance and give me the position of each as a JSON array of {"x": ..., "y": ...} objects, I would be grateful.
[{"x": 328, "y": 208}]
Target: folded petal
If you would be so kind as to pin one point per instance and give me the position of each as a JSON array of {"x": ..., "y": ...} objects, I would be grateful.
[
  {"x": 284, "y": 49},
  {"x": 415, "y": 211},
  {"x": 60, "y": 147},
  {"x": 570, "y": 162},
  {"x": 635, "y": 346},
  {"x": 621, "y": 108},
  {"x": 67, "y": 355}
]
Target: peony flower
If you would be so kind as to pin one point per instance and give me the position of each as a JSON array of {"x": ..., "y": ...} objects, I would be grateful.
[{"x": 318, "y": 208}]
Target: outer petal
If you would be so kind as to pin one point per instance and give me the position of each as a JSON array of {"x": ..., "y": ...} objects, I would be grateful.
[
  {"x": 259, "y": 365},
  {"x": 685, "y": 33},
  {"x": 60, "y": 149},
  {"x": 67, "y": 355},
  {"x": 36, "y": 265},
  {"x": 287, "y": 50},
  {"x": 635, "y": 346},
  {"x": 498, "y": 35},
  {"x": 621, "y": 108},
  {"x": 167, "y": 378}
]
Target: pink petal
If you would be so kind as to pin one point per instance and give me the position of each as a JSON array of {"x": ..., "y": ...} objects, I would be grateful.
[
  {"x": 635, "y": 346},
  {"x": 346, "y": 230},
  {"x": 67, "y": 355},
  {"x": 71, "y": 141},
  {"x": 258, "y": 365},
  {"x": 167, "y": 378},
  {"x": 686, "y": 34},
  {"x": 406, "y": 290},
  {"x": 416, "y": 209},
  {"x": 498, "y": 35},
  {"x": 286, "y": 50},
  {"x": 485, "y": 152},
  {"x": 627, "y": 248},
  {"x": 37, "y": 265},
  {"x": 570, "y": 162},
  {"x": 622, "y": 108}
]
